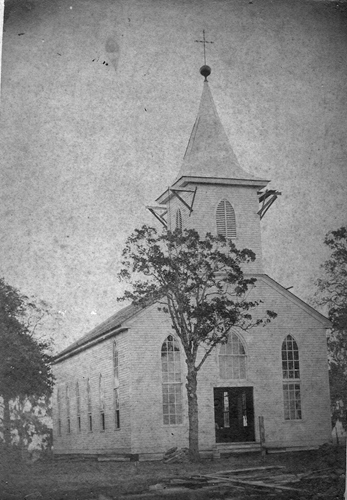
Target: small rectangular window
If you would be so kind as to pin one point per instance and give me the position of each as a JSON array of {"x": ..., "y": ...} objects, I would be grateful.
[
  {"x": 90, "y": 420},
  {"x": 102, "y": 421},
  {"x": 59, "y": 411},
  {"x": 89, "y": 405},
  {"x": 78, "y": 407},
  {"x": 68, "y": 409},
  {"x": 116, "y": 406}
]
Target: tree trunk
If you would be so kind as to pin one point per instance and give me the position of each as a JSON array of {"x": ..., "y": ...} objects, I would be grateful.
[
  {"x": 6, "y": 423},
  {"x": 193, "y": 415}
]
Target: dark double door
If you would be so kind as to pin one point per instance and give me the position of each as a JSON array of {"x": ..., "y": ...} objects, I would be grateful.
[{"x": 234, "y": 414}]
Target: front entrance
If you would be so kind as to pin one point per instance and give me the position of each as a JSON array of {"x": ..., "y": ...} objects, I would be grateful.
[{"x": 234, "y": 414}]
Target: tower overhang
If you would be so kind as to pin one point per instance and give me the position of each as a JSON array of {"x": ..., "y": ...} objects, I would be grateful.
[{"x": 186, "y": 180}]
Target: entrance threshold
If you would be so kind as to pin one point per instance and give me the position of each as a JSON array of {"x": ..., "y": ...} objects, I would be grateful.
[{"x": 227, "y": 449}]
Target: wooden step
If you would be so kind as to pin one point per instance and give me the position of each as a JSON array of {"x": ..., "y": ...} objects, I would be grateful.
[{"x": 222, "y": 449}]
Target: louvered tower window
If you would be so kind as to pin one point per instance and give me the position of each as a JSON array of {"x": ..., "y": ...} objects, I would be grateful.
[
  {"x": 225, "y": 218},
  {"x": 179, "y": 220}
]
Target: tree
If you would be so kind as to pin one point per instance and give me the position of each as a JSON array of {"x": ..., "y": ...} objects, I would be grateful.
[
  {"x": 200, "y": 284},
  {"x": 25, "y": 369},
  {"x": 332, "y": 293}
]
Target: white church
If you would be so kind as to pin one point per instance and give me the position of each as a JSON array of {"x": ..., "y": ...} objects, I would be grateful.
[{"x": 120, "y": 389}]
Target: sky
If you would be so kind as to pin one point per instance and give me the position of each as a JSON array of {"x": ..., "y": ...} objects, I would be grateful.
[{"x": 98, "y": 100}]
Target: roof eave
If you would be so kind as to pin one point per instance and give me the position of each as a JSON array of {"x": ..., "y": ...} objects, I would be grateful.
[
  {"x": 69, "y": 352},
  {"x": 184, "y": 180},
  {"x": 309, "y": 309}
]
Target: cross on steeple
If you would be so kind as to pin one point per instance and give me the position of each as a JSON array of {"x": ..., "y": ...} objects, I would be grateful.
[{"x": 204, "y": 41}]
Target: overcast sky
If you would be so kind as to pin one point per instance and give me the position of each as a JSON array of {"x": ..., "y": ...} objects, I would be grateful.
[{"x": 97, "y": 104}]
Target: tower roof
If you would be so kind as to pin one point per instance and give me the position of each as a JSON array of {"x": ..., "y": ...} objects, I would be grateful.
[{"x": 209, "y": 153}]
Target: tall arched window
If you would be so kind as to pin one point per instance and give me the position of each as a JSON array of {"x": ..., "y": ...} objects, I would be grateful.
[
  {"x": 78, "y": 407},
  {"x": 59, "y": 411},
  {"x": 291, "y": 379},
  {"x": 171, "y": 380},
  {"x": 116, "y": 385},
  {"x": 178, "y": 220},
  {"x": 232, "y": 359},
  {"x": 102, "y": 403},
  {"x": 89, "y": 407},
  {"x": 225, "y": 219},
  {"x": 68, "y": 408}
]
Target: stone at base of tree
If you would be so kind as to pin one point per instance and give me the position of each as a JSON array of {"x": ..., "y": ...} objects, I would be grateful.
[
  {"x": 176, "y": 455},
  {"x": 35, "y": 495},
  {"x": 104, "y": 497},
  {"x": 155, "y": 487},
  {"x": 35, "y": 455}
]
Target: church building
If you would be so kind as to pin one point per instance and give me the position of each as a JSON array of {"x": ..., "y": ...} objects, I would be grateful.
[{"x": 120, "y": 389}]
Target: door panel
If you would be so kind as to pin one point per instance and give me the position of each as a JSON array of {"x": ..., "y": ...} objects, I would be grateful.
[{"x": 234, "y": 414}]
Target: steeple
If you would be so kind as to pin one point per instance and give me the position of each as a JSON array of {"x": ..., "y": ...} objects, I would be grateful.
[
  {"x": 211, "y": 178},
  {"x": 209, "y": 153}
]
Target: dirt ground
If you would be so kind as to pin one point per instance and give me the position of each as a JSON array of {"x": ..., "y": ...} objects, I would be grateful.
[{"x": 86, "y": 480}]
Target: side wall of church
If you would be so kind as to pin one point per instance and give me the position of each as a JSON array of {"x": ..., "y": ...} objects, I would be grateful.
[
  {"x": 89, "y": 364},
  {"x": 243, "y": 199}
]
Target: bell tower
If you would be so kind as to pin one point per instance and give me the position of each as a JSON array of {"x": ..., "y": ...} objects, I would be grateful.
[{"x": 211, "y": 192}]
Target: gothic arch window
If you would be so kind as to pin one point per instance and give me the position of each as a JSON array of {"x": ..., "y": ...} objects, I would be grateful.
[
  {"x": 102, "y": 403},
  {"x": 225, "y": 219},
  {"x": 179, "y": 219},
  {"x": 78, "y": 407},
  {"x": 291, "y": 379},
  {"x": 171, "y": 381},
  {"x": 116, "y": 385},
  {"x": 67, "y": 393},
  {"x": 232, "y": 359}
]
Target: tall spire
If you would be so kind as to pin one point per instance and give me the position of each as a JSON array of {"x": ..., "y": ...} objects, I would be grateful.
[{"x": 209, "y": 153}]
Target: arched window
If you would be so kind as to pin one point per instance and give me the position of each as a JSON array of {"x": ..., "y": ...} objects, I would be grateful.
[
  {"x": 232, "y": 359},
  {"x": 78, "y": 407},
  {"x": 225, "y": 219},
  {"x": 59, "y": 411},
  {"x": 116, "y": 385},
  {"x": 291, "y": 379},
  {"x": 172, "y": 381},
  {"x": 89, "y": 407},
  {"x": 179, "y": 220},
  {"x": 102, "y": 402},
  {"x": 68, "y": 408}
]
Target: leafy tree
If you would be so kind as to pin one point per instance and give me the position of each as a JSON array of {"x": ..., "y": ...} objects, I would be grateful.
[
  {"x": 24, "y": 361},
  {"x": 200, "y": 284},
  {"x": 332, "y": 293}
]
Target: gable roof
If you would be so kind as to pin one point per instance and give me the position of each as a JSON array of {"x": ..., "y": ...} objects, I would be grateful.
[
  {"x": 114, "y": 324},
  {"x": 293, "y": 298}
]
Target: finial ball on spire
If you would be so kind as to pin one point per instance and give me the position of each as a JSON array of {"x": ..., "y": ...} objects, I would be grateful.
[{"x": 205, "y": 71}]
